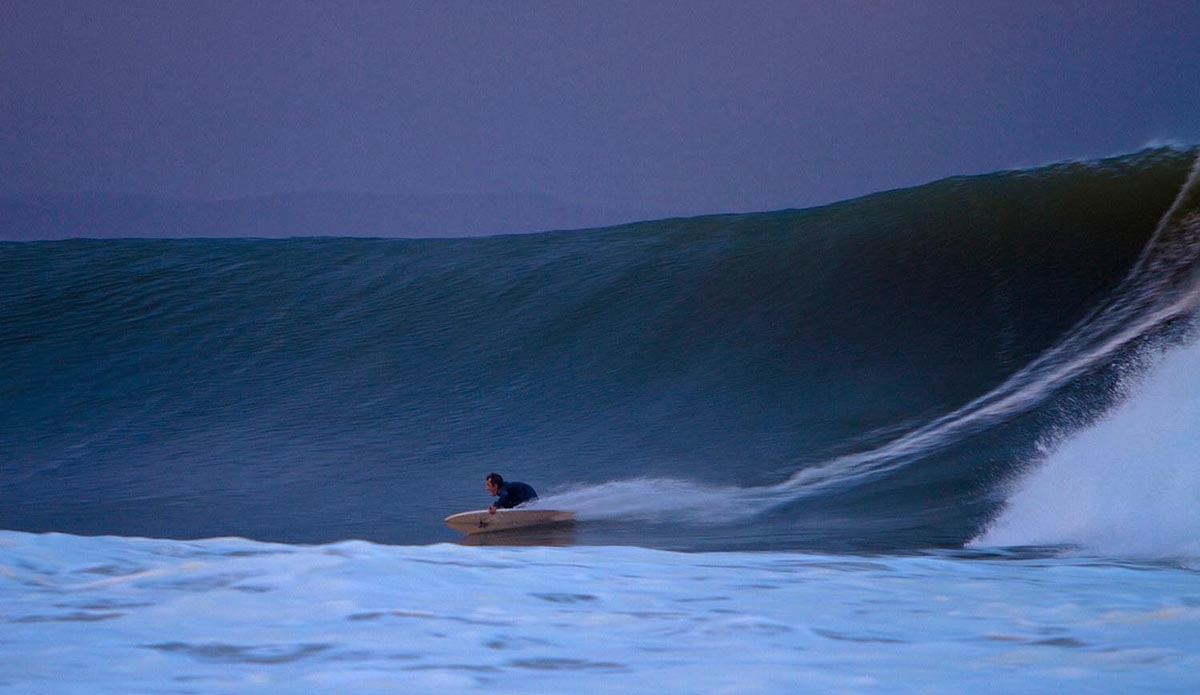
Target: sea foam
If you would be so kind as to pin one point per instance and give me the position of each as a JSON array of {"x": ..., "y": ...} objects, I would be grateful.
[
  {"x": 1127, "y": 485},
  {"x": 121, "y": 615}
]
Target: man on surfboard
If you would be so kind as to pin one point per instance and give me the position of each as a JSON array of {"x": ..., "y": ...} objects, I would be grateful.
[{"x": 508, "y": 495}]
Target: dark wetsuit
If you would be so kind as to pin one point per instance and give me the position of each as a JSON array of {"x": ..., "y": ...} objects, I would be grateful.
[{"x": 512, "y": 494}]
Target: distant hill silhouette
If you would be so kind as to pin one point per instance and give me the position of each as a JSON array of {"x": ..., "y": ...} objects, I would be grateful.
[{"x": 95, "y": 215}]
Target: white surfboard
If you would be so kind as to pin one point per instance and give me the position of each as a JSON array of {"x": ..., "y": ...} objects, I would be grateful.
[{"x": 480, "y": 521}]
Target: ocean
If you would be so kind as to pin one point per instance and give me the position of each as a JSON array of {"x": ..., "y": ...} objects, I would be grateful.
[{"x": 939, "y": 439}]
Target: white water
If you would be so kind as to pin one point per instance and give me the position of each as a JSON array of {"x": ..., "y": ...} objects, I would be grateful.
[
  {"x": 1128, "y": 486},
  {"x": 118, "y": 615},
  {"x": 657, "y": 499}
]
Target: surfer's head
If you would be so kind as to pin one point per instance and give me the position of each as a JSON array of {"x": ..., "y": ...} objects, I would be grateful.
[{"x": 494, "y": 482}]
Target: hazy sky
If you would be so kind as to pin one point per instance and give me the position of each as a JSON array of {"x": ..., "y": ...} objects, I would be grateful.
[{"x": 678, "y": 107}]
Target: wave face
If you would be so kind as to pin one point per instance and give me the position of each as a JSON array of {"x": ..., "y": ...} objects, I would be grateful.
[{"x": 871, "y": 374}]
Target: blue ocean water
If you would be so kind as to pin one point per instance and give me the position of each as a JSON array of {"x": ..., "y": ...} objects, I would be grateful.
[{"x": 982, "y": 382}]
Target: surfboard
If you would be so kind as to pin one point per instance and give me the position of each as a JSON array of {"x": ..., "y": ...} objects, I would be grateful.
[{"x": 480, "y": 521}]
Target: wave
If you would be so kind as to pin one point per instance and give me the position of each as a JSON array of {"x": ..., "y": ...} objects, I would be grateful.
[{"x": 872, "y": 368}]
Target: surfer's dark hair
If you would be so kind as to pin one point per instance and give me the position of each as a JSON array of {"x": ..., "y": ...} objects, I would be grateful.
[{"x": 495, "y": 479}]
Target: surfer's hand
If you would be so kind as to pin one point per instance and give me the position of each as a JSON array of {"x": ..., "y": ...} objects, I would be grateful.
[{"x": 491, "y": 510}]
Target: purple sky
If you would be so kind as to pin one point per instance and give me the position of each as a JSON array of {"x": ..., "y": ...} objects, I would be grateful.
[{"x": 679, "y": 107}]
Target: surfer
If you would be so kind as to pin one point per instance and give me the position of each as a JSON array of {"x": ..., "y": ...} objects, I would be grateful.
[{"x": 508, "y": 495}]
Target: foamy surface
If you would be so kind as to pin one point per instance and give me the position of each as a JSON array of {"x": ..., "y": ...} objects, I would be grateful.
[{"x": 120, "y": 615}]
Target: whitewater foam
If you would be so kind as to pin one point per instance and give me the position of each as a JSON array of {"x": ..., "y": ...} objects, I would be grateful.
[
  {"x": 647, "y": 499},
  {"x": 121, "y": 615},
  {"x": 1127, "y": 486}
]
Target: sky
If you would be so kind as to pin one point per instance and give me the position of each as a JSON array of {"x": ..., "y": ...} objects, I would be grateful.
[{"x": 672, "y": 107}]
